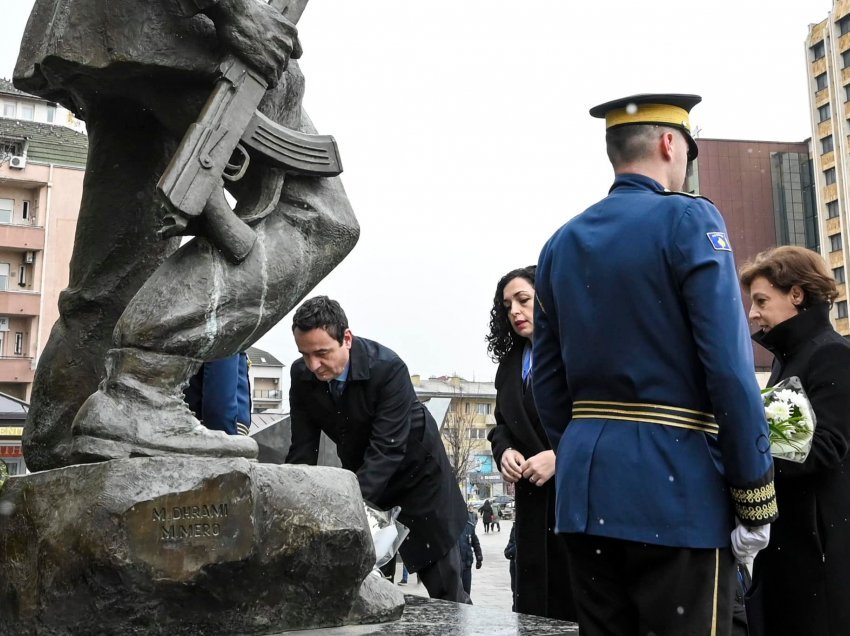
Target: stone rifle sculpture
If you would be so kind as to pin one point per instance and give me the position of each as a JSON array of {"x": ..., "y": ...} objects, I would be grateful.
[{"x": 179, "y": 532}]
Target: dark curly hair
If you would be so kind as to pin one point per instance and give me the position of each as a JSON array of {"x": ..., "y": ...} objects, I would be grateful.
[{"x": 502, "y": 337}]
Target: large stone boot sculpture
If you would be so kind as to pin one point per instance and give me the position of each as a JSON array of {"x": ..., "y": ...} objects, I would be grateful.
[{"x": 139, "y": 411}]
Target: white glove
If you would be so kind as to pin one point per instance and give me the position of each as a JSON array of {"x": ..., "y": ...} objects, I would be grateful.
[{"x": 748, "y": 540}]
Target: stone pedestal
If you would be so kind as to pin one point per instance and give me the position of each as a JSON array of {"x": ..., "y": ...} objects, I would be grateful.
[{"x": 186, "y": 546}]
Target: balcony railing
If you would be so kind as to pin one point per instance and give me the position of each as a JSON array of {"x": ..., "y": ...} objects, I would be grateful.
[{"x": 266, "y": 394}]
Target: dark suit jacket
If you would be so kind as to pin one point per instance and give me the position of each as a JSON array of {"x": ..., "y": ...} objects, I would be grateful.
[{"x": 385, "y": 435}]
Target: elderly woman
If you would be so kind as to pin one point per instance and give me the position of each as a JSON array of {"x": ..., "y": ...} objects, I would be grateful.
[
  {"x": 802, "y": 579},
  {"x": 524, "y": 455}
]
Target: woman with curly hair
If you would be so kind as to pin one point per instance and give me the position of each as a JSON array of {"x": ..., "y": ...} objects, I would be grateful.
[
  {"x": 524, "y": 455},
  {"x": 801, "y": 581}
]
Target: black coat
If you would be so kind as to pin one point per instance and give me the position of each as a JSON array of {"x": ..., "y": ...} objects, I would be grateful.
[
  {"x": 385, "y": 435},
  {"x": 802, "y": 579},
  {"x": 541, "y": 557}
]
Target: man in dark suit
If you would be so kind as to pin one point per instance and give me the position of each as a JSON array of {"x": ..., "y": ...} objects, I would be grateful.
[{"x": 360, "y": 394}]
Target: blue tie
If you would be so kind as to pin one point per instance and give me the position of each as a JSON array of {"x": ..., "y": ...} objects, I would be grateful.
[{"x": 336, "y": 387}]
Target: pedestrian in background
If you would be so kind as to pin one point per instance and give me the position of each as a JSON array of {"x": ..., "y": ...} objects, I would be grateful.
[
  {"x": 486, "y": 511},
  {"x": 470, "y": 551}
]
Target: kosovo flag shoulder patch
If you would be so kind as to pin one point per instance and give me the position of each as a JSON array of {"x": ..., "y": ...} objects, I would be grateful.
[{"x": 719, "y": 241}]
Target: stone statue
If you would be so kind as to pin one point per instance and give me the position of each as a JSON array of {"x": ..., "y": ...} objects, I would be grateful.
[
  {"x": 179, "y": 532},
  {"x": 140, "y": 315}
]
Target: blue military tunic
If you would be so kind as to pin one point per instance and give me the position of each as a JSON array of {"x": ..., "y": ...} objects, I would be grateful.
[{"x": 644, "y": 373}]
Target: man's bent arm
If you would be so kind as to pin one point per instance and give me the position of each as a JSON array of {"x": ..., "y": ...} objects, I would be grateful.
[
  {"x": 712, "y": 298},
  {"x": 304, "y": 448},
  {"x": 390, "y": 433}
]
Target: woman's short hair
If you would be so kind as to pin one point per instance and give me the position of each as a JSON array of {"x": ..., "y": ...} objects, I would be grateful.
[
  {"x": 502, "y": 336},
  {"x": 789, "y": 265}
]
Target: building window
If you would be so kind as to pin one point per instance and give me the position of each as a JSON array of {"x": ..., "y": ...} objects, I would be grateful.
[
  {"x": 844, "y": 25},
  {"x": 477, "y": 433},
  {"x": 845, "y": 59},
  {"x": 832, "y": 209},
  {"x": 27, "y": 112},
  {"x": 51, "y": 113},
  {"x": 22, "y": 276},
  {"x": 4, "y": 276},
  {"x": 829, "y": 176},
  {"x": 6, "y": 206},
  {"x": 824, "y": 112},
  {"x": 838, "y": 275},
  {"x": 826, "y": 144},
  {"x": 821, "y": 81},
  {"x": 847, "y": 93},
  {"x": 835, "y": 243},
  {"x": 25, "y": 210},
  {"x": 10, "y": 109},
  {"x": 841, "y": 309},
  {"x": 484, "y": 408},
  {"x": 19, "y": 343},
  {"x": 818, "y": 51}
]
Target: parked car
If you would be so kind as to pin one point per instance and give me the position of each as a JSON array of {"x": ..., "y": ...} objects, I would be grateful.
[{"x": 507, "y": 510}]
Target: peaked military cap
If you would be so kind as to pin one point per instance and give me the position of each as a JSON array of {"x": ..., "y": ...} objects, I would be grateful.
[{"x": 666, "y": 110}]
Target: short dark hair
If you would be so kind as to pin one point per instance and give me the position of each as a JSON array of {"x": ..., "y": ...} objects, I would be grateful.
[
  {"x": 789, "y": 265},
  {"x": 502, "y": 337},
  {"x": 633, "y": 142},
  {"x": 320, "y": 312}
]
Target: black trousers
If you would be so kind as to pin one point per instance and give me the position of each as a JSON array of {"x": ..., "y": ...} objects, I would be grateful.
[
  {"x": 442, "y": 578},
  {"x": 625, "y": 588}
]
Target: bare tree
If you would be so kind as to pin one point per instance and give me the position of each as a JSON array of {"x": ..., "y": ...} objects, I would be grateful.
[{"x": 457, "y": 436}]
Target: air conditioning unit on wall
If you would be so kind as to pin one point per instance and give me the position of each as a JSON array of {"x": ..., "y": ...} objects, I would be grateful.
[{"x": 18, "y": 161}]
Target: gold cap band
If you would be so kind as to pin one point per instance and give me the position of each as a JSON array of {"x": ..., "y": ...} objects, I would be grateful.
[{"x": 648, "y": 114}]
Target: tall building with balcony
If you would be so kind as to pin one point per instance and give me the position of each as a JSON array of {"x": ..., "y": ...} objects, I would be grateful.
[
  {"x": 265, "y": 373},
  {"x": 828, "y": 65},
  {"x": 41, "y": 179}
]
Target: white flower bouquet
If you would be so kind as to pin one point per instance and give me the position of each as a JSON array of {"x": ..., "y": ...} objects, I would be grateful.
[{"x": 790, "y": 419}]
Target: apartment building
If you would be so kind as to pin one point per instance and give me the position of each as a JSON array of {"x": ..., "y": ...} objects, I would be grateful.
[
  {"x": 268, "y": 391},
  {"x": 42, "y": 163},
  {"x": 465, "y": 413},
  {"x": 828, "y": 66}
]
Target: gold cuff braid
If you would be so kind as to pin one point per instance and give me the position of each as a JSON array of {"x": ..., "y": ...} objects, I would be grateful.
[{"x": 756, "y": 504}]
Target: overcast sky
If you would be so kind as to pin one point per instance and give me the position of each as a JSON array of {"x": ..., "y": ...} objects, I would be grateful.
[{"x": 466, "y": 142}]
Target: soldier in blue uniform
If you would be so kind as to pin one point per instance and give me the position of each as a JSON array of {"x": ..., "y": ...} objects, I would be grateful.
[
  {"x": 644, "y": 381},
  {"x": 219, "y": 395}
]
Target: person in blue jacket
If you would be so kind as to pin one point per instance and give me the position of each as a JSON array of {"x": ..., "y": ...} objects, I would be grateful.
[
  {"x": 219, "y": 395},
  {"x": 644, "y": 382}
]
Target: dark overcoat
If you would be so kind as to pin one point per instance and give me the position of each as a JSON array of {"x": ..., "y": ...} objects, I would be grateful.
[
  {"x": 389, "y": 439},
  {"x": 801, "y": 581},
  {"x": 541, "y": 557}
]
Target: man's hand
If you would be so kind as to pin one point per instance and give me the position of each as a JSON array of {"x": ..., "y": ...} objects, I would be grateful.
[
  {"x": 747, "y": 541},
  {"x": 478, "y": 564},
  {"x": 539, "y": 468},
  {"x": 511, "y": 462},
  {"x": 258, "y": 34}
]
